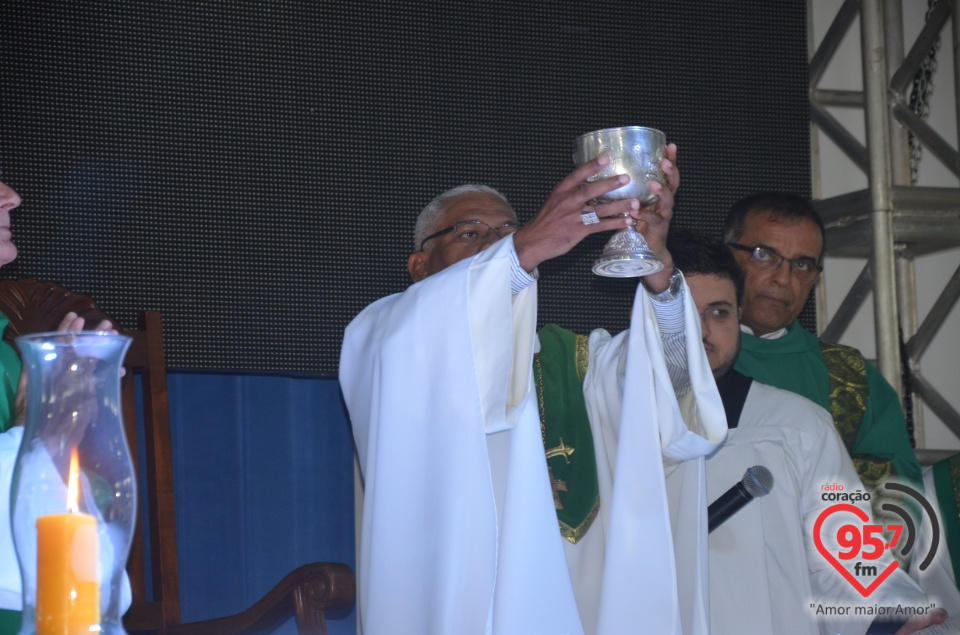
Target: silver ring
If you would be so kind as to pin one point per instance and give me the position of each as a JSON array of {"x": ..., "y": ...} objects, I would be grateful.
[{"x": 589, "y": 218}]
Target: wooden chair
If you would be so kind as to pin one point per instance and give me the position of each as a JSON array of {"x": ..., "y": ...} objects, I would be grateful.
[{"x": 307, "y": 592}]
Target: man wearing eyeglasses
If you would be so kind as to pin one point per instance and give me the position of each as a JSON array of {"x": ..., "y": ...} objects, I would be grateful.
[
  {"x": 765, "y": 570},
  {"x": 778, "y": 241},
  {"x": 460, "y": 531}
]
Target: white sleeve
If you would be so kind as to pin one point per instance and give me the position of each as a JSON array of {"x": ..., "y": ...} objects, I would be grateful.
[
  {"x": 673, "y": 334},
  {"x": 519, "y": 278}
]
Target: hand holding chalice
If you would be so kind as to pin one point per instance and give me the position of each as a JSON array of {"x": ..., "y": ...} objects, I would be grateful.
[{"x": 637, "y": 152}]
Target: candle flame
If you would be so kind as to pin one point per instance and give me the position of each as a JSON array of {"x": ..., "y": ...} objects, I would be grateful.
[{"x": 73, "y": 482}]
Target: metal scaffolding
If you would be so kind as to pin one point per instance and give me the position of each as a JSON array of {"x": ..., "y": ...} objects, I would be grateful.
[{"x": 892, "y": 221}]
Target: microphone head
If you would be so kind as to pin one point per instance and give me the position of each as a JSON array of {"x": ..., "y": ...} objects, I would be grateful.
[{"x": 758, "y": 481}]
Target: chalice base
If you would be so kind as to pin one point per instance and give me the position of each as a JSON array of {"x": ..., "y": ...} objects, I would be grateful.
[{"x": 627, "y": 255}]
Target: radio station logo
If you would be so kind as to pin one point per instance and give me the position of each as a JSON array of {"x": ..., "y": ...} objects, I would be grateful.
[{"x": 862, "y": 543}]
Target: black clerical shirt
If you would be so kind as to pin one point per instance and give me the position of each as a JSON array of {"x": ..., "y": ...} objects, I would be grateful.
[{"x": 733, "y": 389}]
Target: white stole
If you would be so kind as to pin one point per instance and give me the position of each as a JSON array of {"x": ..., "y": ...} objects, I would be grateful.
[
  {"x": 428, "y": 376},
  {"x": 655, "y": 576}
]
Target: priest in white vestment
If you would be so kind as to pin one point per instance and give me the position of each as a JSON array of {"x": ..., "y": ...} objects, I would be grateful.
[
  {"x": 459, "y": 530},
  {"x": 766, "y": 574}
]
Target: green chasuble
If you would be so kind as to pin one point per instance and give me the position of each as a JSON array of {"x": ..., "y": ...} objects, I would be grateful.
[
  {"x": 558, "y": 372},
  {"x": 10, "y": 622},
  {"x": 946, "y": 477},
  {"x": 10, "y": 366},
  {"x": 878, "y": 442}
]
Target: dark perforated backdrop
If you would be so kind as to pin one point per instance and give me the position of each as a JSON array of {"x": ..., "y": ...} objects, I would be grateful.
[{"x": 253, "y": 169}]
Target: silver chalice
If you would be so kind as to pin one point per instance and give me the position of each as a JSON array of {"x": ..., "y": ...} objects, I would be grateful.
[{"x": 636, "y": 151}]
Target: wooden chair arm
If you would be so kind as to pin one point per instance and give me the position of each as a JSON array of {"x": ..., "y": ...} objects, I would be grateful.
[
  {"x": 35, "y": 306},
  {"x": 307, "y": 591}
]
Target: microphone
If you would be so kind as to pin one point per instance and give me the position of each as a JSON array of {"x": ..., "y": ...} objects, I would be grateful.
[{"x": 757, "y": 481}]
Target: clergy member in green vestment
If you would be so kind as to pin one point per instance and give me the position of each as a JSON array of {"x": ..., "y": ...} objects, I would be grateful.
[
  {"x": 9, "y": 439},
  {"x": 778, "y": 241},
  {"x": 764, "y": 567},
  {"x": 11, "y": 432},
  {"x": 866, "y": 409},
  {"x": 10, "y": 367}
]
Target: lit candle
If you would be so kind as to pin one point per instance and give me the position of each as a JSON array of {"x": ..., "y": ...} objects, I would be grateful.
[{"x": 68, "y": 580}]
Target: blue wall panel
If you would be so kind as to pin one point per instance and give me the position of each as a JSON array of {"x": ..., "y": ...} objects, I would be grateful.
[{"x": 264, "y": 484}]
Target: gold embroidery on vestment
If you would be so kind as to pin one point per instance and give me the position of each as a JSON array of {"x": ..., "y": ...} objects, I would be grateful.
[
  {"x": 557, "y": 486},
  {"x": 582, "y": 356},
  {"x": 955, "y": 478},
  {"x": 872, "y": 470},
  {"x": 543, "y": 410},
  {"x": 563, "y": 450},
  {"x": 573, "y": 534},
  {"x": 848, "y": 390}
]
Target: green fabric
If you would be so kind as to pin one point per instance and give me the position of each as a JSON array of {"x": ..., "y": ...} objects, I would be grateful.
[
  {"x": 10, "y": 622},
  {"x": 946, "y": 478},
  {"x": 10, "y": 367},
  {"x": 849, "y": 398},
  {"x": 558, "y": 371},
  {"x": 795, "y": 362}
]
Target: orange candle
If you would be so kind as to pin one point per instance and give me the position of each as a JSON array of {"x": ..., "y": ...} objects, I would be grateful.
[{"x": 68, "y": 578}]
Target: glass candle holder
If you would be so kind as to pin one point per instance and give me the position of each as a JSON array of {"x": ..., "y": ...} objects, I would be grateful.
[{"x": 73, "y": 496}]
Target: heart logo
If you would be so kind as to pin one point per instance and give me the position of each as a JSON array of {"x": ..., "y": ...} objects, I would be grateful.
[{"x": 862, "y": 515}]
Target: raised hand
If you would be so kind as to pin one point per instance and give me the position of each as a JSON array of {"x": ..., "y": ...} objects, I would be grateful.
[
  {"x": 558, "y": 227},
  {"x": 71, "y": 323}
]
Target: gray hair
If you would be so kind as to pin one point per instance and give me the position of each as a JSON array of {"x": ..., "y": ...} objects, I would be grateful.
[{"x": 432, "y": 215}]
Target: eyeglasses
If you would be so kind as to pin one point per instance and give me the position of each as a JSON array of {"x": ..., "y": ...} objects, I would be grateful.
[
  {"x": 471, "y": 232},
  {"x": 765, "y": 258}
]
